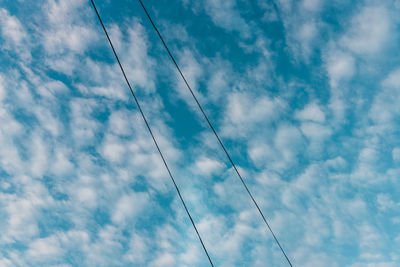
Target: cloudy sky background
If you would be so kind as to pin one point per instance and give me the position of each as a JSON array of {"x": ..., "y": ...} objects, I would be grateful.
[{"x": 305, "y": 94}]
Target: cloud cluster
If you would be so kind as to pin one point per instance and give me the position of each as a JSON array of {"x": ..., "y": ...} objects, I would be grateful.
[{"x": 304, "y": 94}]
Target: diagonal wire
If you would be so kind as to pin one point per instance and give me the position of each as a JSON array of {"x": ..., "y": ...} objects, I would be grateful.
[
  {"x": 151, "y": 133},
  {"x": 215, "y": 133}
]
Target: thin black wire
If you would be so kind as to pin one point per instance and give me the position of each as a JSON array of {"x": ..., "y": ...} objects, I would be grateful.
[
  {"x": 215, "y": 133},
  {"x": 151, "y": 133}
]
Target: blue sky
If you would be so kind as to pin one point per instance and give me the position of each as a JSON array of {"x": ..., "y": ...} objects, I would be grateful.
[{"x": 305, "y": 95}]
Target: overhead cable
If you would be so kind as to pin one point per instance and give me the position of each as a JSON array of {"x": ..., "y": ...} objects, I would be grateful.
[
  {"x": 213, "y": 130},
  {"x": 151, "y": 133}
]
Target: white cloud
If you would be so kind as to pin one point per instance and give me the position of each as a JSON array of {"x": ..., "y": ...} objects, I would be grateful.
[
  {"x": 356, "y": 207},
  {"x": 62, "y": 164},
  {"x": 193, "y": 72},
  {"x": 83, "y": 125},
  {"x": 44, "y": 248},
  {"x": 312, "y": 5},
  {"x": 340, "y": 66},
  {"x": 165, "y": 259},
  {"x": 396, "y": 154},
  {"x": 337, "y": 163},
  {"x": 39, "y": 159},
  {"x": 225, "y": 14},
  {"x": 370, "y": 31},
  {"x": 113, "y": 149},
  {"x": 67, "y": 34},
  {"x": 138, "y": 249},
  {"x": 228, "y": 235},
  {"x": 370, "y": 239},
  {"x": 3, "y": 92},
  {"x": 128, "y": 206},
  {"x": 393, "y": 79},
  {"x": 368, "y": 155},
  {"x": 65, "y": 63},
  {"x": 11, "y": 28},
  {"x": 218, "y": 83},
  {"x": 385, "y": 104},
  {"x": 208, "y": 166},
  {"x": 270, "y": 13},
  {"x": 102, "y": 251},
  {"x": 52, "y": 88},
  {"x": 86, "y": 196},
  {"x": 119, "y": 122},
  {"x": 339, "y": 107},
  {"x": 317, "y": 229},
  {"x": 288, "y": 142},
  {"x": 385, "y": 202},
  {"x": 21, "y": 220},
  {"x": 305, "y": 37},
  {"x": 309, "y": 179},
  {"x": 374, "y": 264},
  {"x": 47, "y": 120},
  {"x": 341, "y": 230},
  {"x": 23, "y": 209},
  {"x": 67, "y": 30},
  {"x": 303, "y": 27},
  {"x": 4, "y": 261},
  {"x": 305, "y": 256},
  {"x": 311, "y": 112},
  {"x": 315, "y": 131},
  {"x": 10, "y": 157},
  {"x": 244, "y": 112},
  {"x": 191, "y": 256},
  {"x": 261, "y": 153},
  {"x": 106, "y": 79},
  {"x": 138, "y": 64}
]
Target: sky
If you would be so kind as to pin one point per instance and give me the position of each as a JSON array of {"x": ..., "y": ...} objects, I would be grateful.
[{"x": 304, "y": 93}]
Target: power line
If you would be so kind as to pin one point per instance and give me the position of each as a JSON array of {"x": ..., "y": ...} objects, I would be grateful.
[
  {"x": 151, "y": 133},
  {"x": 215, "y": 133}
]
